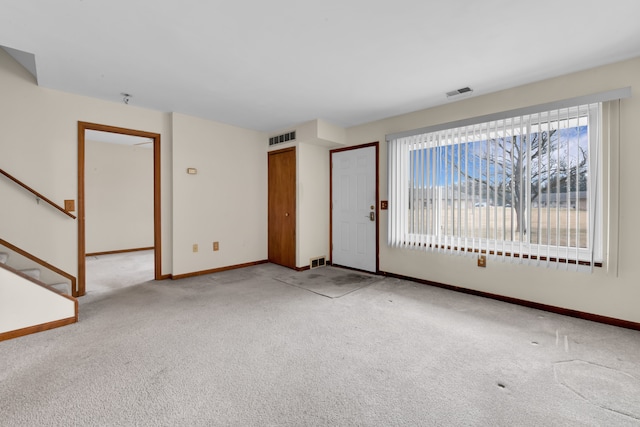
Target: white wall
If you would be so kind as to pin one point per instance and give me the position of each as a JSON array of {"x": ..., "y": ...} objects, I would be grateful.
[
  {"x": 604, "y": 292},
  {"x": 38, "y": 144},
  {"x": 314, "y": 140},
  {"x": 312, "y": 196},
  {"x": 226, "y": 201},
  {"x": 328, "y": 132},
  {"x": 118, "y": 196},
  {"x": 24, "y": 304},
  {"x": 313, "y": 210}
]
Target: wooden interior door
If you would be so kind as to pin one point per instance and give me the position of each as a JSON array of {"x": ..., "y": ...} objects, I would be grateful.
[{"x": 282, "y": 207}]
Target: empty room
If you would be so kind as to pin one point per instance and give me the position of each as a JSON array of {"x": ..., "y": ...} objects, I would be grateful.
[{"x": 319, "y": 213}]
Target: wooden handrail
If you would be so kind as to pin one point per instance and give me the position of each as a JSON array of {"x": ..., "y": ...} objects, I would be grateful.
[
  {"x": 41, "y": 262},
  {"x": 35, "y": 193}
]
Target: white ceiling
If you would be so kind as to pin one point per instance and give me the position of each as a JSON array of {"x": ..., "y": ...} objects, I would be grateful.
[{"x": 268, "y": 65}]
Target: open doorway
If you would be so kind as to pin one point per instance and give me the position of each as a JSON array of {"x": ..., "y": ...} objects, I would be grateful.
[
  {"x": 115, "y": 270},
  {"x": 116, "y": 228}
]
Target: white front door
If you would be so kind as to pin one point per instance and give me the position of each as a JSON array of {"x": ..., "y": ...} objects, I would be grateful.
[{"x": 354, "y": 214}]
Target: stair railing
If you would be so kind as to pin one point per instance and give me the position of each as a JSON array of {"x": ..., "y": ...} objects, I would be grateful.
[
  {"x": 35, "y": 193},
  {"x": 44, "y": 326},
  {"x": 41, "y": 262}
]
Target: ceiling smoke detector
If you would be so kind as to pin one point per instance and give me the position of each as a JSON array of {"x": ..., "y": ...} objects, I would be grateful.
[{"x": 458, "y": 92}]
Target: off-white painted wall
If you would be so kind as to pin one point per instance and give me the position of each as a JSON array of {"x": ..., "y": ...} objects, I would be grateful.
[
  {"x": 604, "y": 292},
  {"x": 304, "y": 132},
  {"x": 317, "y": 132},
  {"x": 313, "y": 194},
  {"x": 24, "y": 304},
  {"x": 314, "y": 139},
  {"x": 332, "y": 133},
  {"x": 226, "y": 201},
  {"x": 118, "y": 196},
  {"x": 312, "y": 198},
  {"x": 38, "y": 144}
]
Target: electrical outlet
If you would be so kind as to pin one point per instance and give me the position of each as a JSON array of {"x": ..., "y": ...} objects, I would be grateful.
[
  {"x": 195, "y": 247},
  {"x": 216, "y": 246},
  {"x": 482, "y": 261}
]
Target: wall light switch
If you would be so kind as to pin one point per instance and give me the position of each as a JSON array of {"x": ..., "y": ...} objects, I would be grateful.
[
  {"x": 192, "y": 171},
  {"x": 195, "y": 247},
  {"x": 70, "y": 205},
  {"x": 216, "y": 246},
  {"x": 384, "y": 204}
]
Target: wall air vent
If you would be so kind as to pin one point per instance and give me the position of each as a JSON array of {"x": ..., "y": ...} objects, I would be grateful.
[
  {"x": 317, "y": 262},
  {"x": 462, "y": 91},
  {"x": 285, "y": 137}
]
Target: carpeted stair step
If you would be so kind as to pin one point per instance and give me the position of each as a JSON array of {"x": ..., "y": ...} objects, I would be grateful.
[
  {"x": 33, "y": 272},
  {"x": 62, "y": 287}
]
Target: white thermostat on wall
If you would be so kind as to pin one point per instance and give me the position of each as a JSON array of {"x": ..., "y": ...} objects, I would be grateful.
[{"x": 192, "y": 171}]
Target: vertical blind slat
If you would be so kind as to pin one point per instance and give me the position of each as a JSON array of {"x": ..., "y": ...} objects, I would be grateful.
[{"x": 513, "y": 187}]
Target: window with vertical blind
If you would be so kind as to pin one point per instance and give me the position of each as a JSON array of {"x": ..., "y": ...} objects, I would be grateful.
[{"x": 524, "y": 186}]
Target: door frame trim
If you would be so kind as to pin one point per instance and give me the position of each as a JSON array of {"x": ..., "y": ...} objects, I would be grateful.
[
  {"x": 295, "y": 203},
  {"x": 377, "y": 210},
  {"x": 157, "y": 227}
]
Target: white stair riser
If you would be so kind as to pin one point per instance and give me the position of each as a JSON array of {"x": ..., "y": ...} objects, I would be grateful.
[
  {"x": 33, "y": 272},
  {"x": 65, "y": 288},
  {"x": 62, "y": 287}
]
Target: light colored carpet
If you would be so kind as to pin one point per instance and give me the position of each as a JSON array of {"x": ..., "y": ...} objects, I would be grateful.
[
  {"x": 331, "y": 282},
  {"x": 106, "y": 273},
  {"x": 258, "y": 352}
]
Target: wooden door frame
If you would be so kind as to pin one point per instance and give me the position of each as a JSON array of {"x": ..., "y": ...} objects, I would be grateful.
[
  {"x": 295, "y": 202},
  {"x": 157, "y": 237},
  {"x": 377, "y": 210}
]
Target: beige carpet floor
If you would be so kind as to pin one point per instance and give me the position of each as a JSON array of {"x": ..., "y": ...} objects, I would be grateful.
[
  {"x": 242, "y": 348},
  {"x": 106, "y": 273}
]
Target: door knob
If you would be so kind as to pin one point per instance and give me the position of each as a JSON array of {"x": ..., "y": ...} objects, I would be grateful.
[{"x": 286, "y": 214}]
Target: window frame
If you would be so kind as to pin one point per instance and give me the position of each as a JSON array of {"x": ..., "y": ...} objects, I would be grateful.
[{"x": 504, "y": 248}]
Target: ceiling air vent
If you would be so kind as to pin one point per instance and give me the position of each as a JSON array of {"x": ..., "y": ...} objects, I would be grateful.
[
  {"x": 285, "y": 137},
  {"x": 462, "y": 91}
]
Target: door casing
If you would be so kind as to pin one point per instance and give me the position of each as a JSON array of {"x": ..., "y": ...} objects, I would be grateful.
[
  {"x": 157, "y": 238},
  {"x": 282, "y": 207},
  {"x": 377, "y": 197}
]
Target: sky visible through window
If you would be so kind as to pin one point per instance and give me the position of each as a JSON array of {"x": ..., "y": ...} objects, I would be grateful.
[
  {"x": 491, "y": 161},
  {"x": 530, "y": 187}
]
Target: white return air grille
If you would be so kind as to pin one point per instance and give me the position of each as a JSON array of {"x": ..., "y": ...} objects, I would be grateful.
[{"x": 285, "y": 137}]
